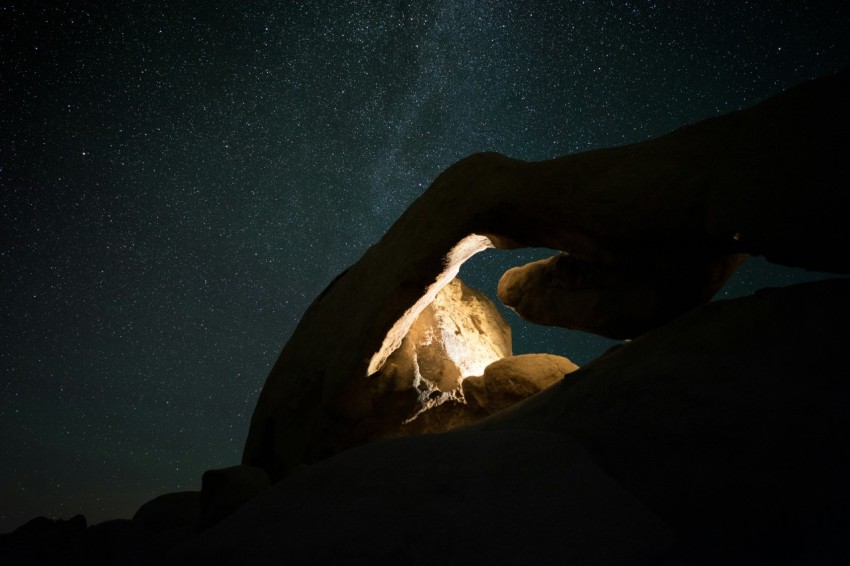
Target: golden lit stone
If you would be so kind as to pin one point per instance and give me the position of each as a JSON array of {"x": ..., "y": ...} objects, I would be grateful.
[{"x": 464, "y": 250}]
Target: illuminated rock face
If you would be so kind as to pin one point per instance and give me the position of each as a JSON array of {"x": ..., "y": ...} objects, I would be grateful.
[
  {"x": 510, "y": 380},
  {"x": 462, "y": 251},
  {"x": 457, "y": 335}
]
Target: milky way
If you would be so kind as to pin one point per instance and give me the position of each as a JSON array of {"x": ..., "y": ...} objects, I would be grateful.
[{"x": 179, "y": 182}]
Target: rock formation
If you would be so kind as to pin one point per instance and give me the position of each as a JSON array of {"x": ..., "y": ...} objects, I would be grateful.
[
  {"x": 418, "y": 389},
  {"x": 718, "y": 435},
  {"x": 170, "y": 512},
  {"x": 617, "y": 300},
  {"x": 224, "y": 491},
  {"x": 719, "y": 438},
  {"x": 510, "y": 380},
  {"x": 651, "y": 230}
]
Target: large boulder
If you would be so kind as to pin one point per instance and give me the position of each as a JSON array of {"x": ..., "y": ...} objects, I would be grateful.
[
  {"x": 42, "y": 540},
  {"x": 720, "y": 438},
  {"x": 510, "y": 380},
  {"x": 170, "y": 512},
  {"x": 717, "y": 437},
  {"x": 673, "y": 214},
  {"x": 618, "y": 300}
]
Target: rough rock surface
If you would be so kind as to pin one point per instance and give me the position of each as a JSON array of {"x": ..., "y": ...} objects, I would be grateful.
[
  {"x": 720, "y": 438},
  {"x": 511, "y": 380},
  {"x": 768, "y": 180},
  {"x": 418, "y": 389},
  {"x": 459, "y": 334}
]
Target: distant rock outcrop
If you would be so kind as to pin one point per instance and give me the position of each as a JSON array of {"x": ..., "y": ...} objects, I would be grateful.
[{"x": 651, "y": 229}]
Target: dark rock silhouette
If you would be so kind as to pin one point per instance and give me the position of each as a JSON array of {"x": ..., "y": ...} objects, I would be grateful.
[
  {"x": 41, "y": 539},
  {"x": 224, "y": 491},
  {"x": 718, "y": 435},
  {"x": 719, "y": 438},
  {"x": 618, "y": 300},
  {"x": 170, "y": 511},
  {"x": 651, "y": 230}
]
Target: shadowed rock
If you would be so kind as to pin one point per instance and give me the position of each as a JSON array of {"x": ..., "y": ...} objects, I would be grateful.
[
  {"x": 720, "y": 438},
  {"x": 170, "y": 511},
  {"x": 768, "y": 180},
  {"x": 503, "y": 384},
  {"x": 41, "y": 540},
  {"x": 223, "y": 491},
  {"x": 618, "y": 300}
]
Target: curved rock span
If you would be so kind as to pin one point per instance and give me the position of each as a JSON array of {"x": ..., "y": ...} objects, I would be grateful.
[
  {"x": 715, "y": 437},
  {"x": 647, "y": 232}
]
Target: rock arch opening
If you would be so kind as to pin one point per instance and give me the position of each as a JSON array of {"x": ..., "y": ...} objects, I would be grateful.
[
  {"x": 483, "y": 272},
  {"x": 462, "y": 251},
  {"x": 449, "y": 360}
]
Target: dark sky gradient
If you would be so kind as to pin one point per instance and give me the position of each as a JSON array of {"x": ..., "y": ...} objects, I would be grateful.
[{"x": 179, "y": 180}]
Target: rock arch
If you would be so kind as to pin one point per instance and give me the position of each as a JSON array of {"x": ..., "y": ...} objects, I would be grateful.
[{"x": 651, "y": 230}]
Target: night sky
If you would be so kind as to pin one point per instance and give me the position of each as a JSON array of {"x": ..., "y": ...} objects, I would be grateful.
[{"x": 177, "y": 183}]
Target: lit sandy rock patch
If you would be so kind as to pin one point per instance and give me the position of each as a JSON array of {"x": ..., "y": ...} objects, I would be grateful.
[{"x": 510, "y": 380}]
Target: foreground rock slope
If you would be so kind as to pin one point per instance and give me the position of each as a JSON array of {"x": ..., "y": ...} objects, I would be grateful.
[{"x": 720, "y": 438}]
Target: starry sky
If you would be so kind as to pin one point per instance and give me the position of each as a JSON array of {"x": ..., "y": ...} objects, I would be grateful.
[{"x": 179, "y": 180}]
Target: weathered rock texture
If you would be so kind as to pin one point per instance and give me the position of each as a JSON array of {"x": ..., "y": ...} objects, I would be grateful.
[
  {"x": 418, "y": 389},
  {"x": 224, "y": 490},
  {"x": 665, "y": 218},
  {"x": 511, "y": 380}
]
